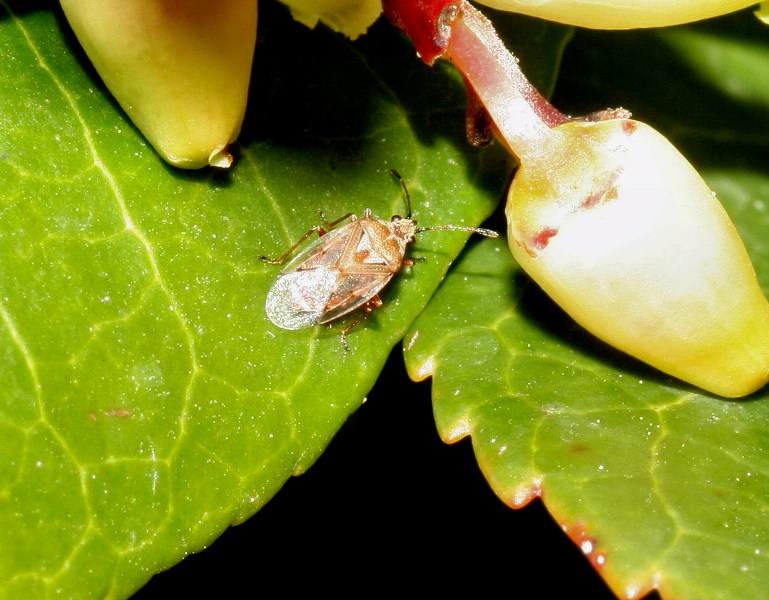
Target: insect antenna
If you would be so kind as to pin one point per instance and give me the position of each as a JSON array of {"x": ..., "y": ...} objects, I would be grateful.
[
  {"x": 479, "y": 230},
  {"x": 405, "y": 191}
]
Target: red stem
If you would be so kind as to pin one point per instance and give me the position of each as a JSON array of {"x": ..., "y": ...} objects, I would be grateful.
[{"x": 520, "y": 116}]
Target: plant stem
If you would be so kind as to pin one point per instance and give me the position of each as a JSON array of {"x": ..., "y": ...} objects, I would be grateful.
[{"x": 454, "y": 30}]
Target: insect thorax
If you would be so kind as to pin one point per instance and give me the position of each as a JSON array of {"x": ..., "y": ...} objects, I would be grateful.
[{"x": 404, "y": 230}]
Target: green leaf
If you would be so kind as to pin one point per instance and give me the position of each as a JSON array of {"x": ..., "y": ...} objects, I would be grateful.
[
  {"x": 147, "y": 403},
  {"x": 660, "y": 485}
]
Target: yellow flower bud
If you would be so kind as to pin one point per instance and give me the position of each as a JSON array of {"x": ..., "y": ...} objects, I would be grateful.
[
  {"x": 350, "y": 17},
  {"x": 179, "y": 68},
  {"x": 621, "y": 231},
  {"x": 626, "y": 14}
]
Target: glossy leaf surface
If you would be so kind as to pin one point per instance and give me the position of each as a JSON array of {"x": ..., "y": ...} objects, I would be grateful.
[{"x": 147, "y": 403}]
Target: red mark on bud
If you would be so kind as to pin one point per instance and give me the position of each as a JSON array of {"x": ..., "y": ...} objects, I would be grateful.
[
  {"x": 540, "y": 241},
  {"x": 629, "y": 126},
  {"x": 606, "y": 193}
]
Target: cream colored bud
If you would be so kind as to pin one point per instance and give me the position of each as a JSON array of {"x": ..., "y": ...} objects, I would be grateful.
[
  {"x": 179, "y": 68},
  {"x": 349, "y": 17},
  {"x": 621, "y": 14},
  {"x": 622, "y": 232}
]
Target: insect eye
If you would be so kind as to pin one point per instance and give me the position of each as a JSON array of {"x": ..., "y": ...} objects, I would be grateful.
[{"x": 396, "y": 218}]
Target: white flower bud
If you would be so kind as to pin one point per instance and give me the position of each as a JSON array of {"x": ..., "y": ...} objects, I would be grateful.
[{"x": 621, "y": 231}]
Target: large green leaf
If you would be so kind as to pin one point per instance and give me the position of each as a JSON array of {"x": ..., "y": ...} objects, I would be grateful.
[
  {"x": 146, "y": 402},
  {"x": 660, "y": 485}
]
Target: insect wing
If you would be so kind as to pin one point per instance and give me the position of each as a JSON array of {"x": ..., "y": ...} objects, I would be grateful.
[
  {"x": 299, "y": 296},
  {"x": 366, "y": 265},
  {"x": 352, "y": 292},
  {"x": 335, "y": 275},
  {"x": 325, "y": 252},
  {"x": 298, "y": 299}
]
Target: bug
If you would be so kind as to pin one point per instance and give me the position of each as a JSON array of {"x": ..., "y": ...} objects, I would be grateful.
[{"x": 345, "y": 268}]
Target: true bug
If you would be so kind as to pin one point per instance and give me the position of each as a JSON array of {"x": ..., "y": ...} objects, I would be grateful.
[{"x": 345, "y": 269}]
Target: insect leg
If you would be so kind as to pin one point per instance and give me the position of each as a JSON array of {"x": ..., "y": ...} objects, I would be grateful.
[
  {"x": 282, "y": 258},
  {"x": 373, "y": 303},
  {"x": 331, "y": 224},
  {"x": 320, "y": 230}
]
